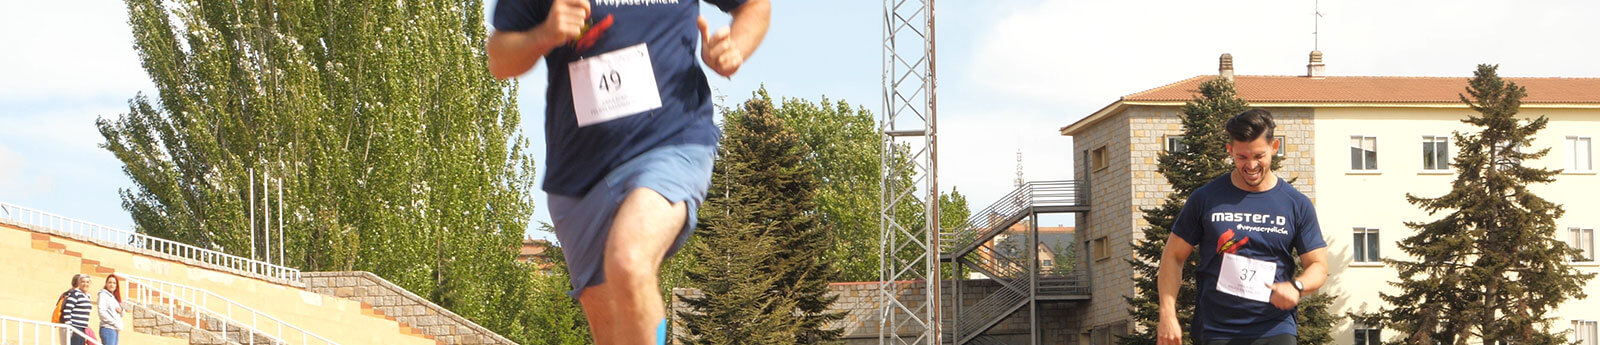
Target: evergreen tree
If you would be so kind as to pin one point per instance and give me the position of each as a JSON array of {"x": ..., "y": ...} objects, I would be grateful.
[
  {"x": 1315, "y": 317},
  {"x": 1064, "y": 260},
  {"x": 763, "y": 273},
  {"x": 395, "y": 150},
  {"x": 1491, "y": 268},
  {"x": 1203, "y": 157}
]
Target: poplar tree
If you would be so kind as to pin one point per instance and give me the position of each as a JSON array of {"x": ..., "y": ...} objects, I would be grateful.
[{"x": 395, "y": 150}]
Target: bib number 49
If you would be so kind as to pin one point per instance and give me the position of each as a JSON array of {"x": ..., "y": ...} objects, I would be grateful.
[
  {"x": 599, "y": 93},
  {"x": 611, "y": 81}
]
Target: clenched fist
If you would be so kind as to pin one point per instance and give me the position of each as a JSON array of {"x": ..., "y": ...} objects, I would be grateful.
[{"x": 565, "y": 21}]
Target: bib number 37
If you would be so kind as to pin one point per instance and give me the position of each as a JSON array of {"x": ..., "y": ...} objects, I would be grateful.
[{"x": 1245, "y": 277}]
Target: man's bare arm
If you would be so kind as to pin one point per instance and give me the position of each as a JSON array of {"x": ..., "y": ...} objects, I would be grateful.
[
  {"x": 1169, "y": 277},
  {"x": 512, "y": 53},
  {"x": 1315, "y": 270},
  {"x": 726, "y": 51}
]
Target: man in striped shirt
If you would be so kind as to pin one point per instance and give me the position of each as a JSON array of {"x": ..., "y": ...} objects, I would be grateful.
[{"x": 75, "y": 312}]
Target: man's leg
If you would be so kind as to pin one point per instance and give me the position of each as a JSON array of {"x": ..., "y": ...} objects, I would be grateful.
[{"x": 627, "y": 307}]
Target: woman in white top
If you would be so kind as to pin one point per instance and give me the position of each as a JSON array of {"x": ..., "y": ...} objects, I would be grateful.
[{"x": 110, "y": 302}]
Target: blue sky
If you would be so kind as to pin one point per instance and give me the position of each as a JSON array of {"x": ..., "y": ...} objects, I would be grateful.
[{"x": 1011, "y": 72}]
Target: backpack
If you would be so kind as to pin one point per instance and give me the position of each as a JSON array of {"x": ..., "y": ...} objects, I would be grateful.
[{"x": 61, "y": 303}]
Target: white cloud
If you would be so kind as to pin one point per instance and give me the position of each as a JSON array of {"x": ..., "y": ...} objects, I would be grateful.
[{"x": 68, "y": 50}]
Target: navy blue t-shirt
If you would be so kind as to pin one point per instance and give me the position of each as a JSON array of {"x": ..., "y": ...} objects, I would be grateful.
[
  {"x": 578, "y": 157},
  {"x": 1276, "y": 225}
]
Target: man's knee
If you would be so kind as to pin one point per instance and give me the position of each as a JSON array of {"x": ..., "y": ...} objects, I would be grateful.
[{"x": 632, "y": 266}]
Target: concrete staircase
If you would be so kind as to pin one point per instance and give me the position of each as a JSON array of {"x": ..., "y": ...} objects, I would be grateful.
[
  {"x": 52, "y": 258},
  {"x": 148, "y": 321}
]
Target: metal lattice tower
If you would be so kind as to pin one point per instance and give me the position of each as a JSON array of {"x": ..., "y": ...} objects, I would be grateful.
[{"x": 908, "y": 248}]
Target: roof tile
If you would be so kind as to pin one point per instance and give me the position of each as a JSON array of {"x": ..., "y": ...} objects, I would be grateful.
[{"x": 1293, "y": 89}]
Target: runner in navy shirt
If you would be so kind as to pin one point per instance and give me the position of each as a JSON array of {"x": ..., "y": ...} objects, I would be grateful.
[
  {"x": 629, "y": 136},
  {"x": 1249, "y": 226}
]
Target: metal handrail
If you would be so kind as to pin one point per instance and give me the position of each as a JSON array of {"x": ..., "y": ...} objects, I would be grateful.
[
  {"x": 123, "y": 239},
  {"x": 988, "y": 310},
  {"x": 1076, "y": 283},
  {"x": 156, "y": 292},
  {"x": 997, "y": 263},
  {"x": 55, "y": 334},
  {"x": 1030, "y": 194}
]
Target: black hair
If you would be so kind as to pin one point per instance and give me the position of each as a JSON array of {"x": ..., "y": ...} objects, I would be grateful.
[{"x": 1251, "y": 124}]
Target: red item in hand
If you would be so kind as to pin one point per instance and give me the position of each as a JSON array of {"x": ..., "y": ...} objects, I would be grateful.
[{"x": 593, "y": 34}]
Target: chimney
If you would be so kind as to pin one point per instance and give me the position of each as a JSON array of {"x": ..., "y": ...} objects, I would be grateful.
[
  {"x": 1226, "y": 68},
  {"x": 1316, "y": 69}
]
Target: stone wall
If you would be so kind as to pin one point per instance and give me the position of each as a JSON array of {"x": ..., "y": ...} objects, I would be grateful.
[
  {"x": 1111, "y": 208},
  {"x": 1295, "y": 125},
  {"x": 1058, "y": 321},
  {"x": 407, "y": 308}
]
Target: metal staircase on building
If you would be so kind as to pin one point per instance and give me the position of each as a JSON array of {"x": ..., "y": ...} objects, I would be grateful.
[{"x": 972, "y": 247}]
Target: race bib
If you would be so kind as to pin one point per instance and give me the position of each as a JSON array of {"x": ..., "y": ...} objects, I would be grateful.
[
  {"x": 613, "y": 85},
  {"x": 1246, "y": 277}
]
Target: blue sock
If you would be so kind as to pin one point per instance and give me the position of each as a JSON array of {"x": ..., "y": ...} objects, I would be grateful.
[{"x": 661, "y": 333}]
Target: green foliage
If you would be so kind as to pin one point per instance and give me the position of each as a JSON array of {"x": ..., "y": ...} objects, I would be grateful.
[
  {"x": 844, "y": 153},
  {"x": 953, "y": 210},
  {"x": 1203, "y": 159},
  {"x": 556, "y": 317},
  {"x": 1065, "y": 260},
  {"x": 763, "y": 274},
  {"x": 1316, "y": 318},
  {"x": 1490, "y": 268},
  {"x": 397, "y": 152}
]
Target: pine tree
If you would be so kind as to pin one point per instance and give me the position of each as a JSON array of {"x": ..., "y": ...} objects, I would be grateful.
[
  {"x": 1064, "y": 260},
  {"x": 762, "y": 272},
  {"x": 1315, "y": 317},
  {"x": 1491, "y": 267},
  {"x": 1203, "y": 157}
]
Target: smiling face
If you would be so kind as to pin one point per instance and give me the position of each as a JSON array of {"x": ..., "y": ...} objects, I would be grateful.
[
  {"x": 1252, "y": 161},
  {"x": 111, "y": 284}
]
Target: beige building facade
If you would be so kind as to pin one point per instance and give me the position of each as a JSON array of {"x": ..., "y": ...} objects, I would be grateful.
[{"x": 1356, "y": 146}]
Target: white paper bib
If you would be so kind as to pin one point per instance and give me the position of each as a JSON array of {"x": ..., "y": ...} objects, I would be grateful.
[
  {"x": 613, "y": 85},
  {"x": 1246, "y": 277}
]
